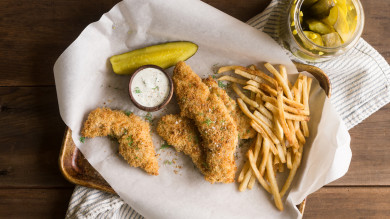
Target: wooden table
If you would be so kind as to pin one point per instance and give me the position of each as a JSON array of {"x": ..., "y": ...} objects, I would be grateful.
[{"x": 34, "y": 33}]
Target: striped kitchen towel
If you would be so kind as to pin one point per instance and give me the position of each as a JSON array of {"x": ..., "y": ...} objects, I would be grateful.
[{"x": 360, "y": 79}]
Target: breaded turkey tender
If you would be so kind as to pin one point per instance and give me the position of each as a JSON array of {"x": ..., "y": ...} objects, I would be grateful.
[
  {"x": 181, "y": 133},
  {"x": 216, "y": 126},
  {"x": 132, "y": 133}
]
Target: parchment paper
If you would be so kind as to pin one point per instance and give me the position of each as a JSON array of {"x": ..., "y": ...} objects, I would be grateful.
[{"x": 85, "y": 81}]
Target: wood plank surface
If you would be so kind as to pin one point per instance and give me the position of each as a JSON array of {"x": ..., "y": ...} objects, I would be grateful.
[
  {"x": 34, "y": 203},
  {"x": 31, "y": 133},
  {"x": 349, "y": 202}
]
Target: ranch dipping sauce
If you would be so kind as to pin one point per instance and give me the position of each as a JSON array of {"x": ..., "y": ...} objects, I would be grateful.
[{"x": 150, "y": 87}]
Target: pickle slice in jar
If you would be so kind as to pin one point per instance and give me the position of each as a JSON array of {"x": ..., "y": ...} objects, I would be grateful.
[
  {"x": 351, "y": 16},
  {"x": 331, "y": 39},
  {"x": 319, "y": 27},
  {"x": 332, "y": 17},
  {"x": 342, "y": 4},
  {"x": 292, "y": 10},
  {"x": 342, "y": 26},
  {"x": 314, "y": 37},
  {"x": 321, "y": 9},
  {"x": 308, "y": 3}
]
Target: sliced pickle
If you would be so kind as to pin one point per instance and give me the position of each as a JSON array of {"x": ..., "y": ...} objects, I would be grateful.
[
  {"x": 292, "y": 14},
  {"x": 331, "y": 39},
  {"x": 342, "y": 26},
  {"x": 342, "y": 4},
  {"x": 332, "y": 18},
  {"x": 319, "y": 27},
  {"x": 308, "y": 3},
  {"x": 314, "y": 37},
  {"x": 321, "y": 9},
  {"x": 351, "y": 16}
]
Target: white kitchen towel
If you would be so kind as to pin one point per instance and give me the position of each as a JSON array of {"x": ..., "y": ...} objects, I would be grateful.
[{"x": 360, "y": 79}]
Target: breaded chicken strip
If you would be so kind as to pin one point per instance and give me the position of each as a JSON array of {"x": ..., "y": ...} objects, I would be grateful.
[
  {"x": 244, "y": 128},
  {"x": 132, "y": 133},
  {"x": 217, "y": 128},
  {"x": 181, "y": 133}
]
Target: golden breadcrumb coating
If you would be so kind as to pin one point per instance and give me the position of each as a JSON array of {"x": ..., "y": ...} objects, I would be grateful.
[
  {"x": 181, "y": 133},
  {"x": 216, "y": 126},
  {"x": 132, "y": 133},
  {"x": 244, "y": 128}
]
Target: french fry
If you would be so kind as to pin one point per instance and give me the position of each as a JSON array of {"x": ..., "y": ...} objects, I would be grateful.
[
  {"x": 287, "y": 108},
  {"x": 257, "y": 173},
  {"x": 243, "y": 171},
  {"x": 264, "y": 119},
  {"x": 283, "y": 72},
  {"x": 305, "y": 94},
  {"x": 252, "y": 67},
  {"x": 232, "y": 79},
  {"x": 280, "y": 80},
  {"x": 248, "y": 174},
  {"x": 252, "y": 181},
  {"x": 266, "y": 133},
  {"x": 288, "y": 159},
  {"x": 253, "y": 83},
  {"x": 249, "y": 76},
  {"x": 225, "y": 69},
  {"x": 243, "y": 96},
  {"x": 274, "y": 93},
  {"x": 293, "y": 171},
  {"x": 282, "y": 119},
  {"x": 254, "y": 89},
  {"x": 265, "y": 112},
  {"x": 281, "y": 153},
  {"x": 278, "y": 130},
  {"x": 265, "y": 152},
  {"x": 289, "y": 116},
  {"x": 273, "y": 184}
]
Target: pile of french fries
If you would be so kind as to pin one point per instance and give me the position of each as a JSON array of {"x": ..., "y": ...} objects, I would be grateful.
[{"x": 279, "y": 112}]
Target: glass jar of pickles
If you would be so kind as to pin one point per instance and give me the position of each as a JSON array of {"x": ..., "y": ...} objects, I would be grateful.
[{"x": 318, "y": 30}]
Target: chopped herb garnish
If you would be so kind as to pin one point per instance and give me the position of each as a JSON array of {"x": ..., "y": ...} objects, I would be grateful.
[
  {"x": 125, "y": 132},
  {"x": 165, "y": 145},
  {"x": 149, "y": 117},
  {"x": 247, "y": 131},
  {"x": 128, "y": 113},
  {"x": 167, "y": 162},
  {"x": 156, "y": 88},
  {"x": 214, "y": 76},
  {"x": 208, "y": 121},
  {"x": 137, "y": 90},
  {"x": 205, "y": 165},
  {"x": 221, "y": 85},
  {"x": 82, "y": 139},
  {"x": 130, "y": 139}
]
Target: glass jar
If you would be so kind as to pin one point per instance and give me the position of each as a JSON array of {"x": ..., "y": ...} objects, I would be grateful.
[{"x": 301, "y": 43}]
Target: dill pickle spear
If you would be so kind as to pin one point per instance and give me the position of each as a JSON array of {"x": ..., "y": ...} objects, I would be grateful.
[
  {"x": 319, "y": 27},
  {"x": 331, "y": 39},
  {"x": 164, "y": 55},
  {"x": 321, "y": 9},
  {"x": 314, "y": 37}
]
